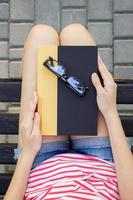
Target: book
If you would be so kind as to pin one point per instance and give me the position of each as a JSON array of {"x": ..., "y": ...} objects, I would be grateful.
[{"x": 61, "y": 110}]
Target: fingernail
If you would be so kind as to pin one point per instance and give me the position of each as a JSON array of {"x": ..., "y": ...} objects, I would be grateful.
[{"x": 94, "y": 75}]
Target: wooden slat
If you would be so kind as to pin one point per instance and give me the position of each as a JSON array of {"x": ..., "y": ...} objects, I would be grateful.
[
  {"x": 10, "y": 91},
  {"x": 4, "y": 182},
  {"x": 9, "y": 123},
  {"x": 127, "y": 123},
  {"x": 125, "y": 93},
  {"x": 7, "y": 150},
  {"x": 7, "y": 153}
]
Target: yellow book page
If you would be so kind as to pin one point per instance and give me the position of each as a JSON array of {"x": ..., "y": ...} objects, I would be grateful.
[{"x": 47, "y": 90}]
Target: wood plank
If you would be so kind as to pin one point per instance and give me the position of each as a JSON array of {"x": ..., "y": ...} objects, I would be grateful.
[
  {"x": 9, "y": 123},
  {"x": 10, "y": 91},
  {"x": 4, "y": 182},
  {"x": 7, "y": 150},
  {"x": 127, "y": 123},
  {"x": 7, "y": 153},
  {"x": 125, "y": 93}
]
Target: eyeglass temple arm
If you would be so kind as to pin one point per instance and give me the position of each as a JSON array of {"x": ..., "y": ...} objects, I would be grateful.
[{"x": 51, "y": 60}]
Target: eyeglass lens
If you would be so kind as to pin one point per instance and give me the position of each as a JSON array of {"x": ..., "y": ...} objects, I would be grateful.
[
  {"x": 76, "y": 84},
  {"x": 58, "y": 69}
]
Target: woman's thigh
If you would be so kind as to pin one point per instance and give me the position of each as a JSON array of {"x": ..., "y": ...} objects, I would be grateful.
[
  {"x": 39, "y": 35},
  {"x": 76, "y": 34}
]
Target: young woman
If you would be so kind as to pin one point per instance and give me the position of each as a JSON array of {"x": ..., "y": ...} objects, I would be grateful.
[{"x": 98, "y": 167}]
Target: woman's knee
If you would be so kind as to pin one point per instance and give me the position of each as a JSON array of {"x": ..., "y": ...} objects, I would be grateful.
[
  {"x": 76, "y": 33},
  {"x": 72, "y": 29},
  {"x": 43, "y": 31}
]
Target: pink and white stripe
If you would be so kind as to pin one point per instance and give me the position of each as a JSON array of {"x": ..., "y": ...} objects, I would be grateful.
[{"x": 73, "y": 176}]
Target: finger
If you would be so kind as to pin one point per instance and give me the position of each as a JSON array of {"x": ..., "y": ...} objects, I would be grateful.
[
  {"x": 100, "y": 62},
  {"x": 36, "y": 124},
  {"x": 106, "y": 75},
  {"x": 33, "y": 103},
  {"x": 97, "y": 84},
  {"x": 29, "y": 115}
]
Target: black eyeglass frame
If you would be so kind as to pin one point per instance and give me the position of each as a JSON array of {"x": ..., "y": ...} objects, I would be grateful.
[{"x": 63, "y": 77}]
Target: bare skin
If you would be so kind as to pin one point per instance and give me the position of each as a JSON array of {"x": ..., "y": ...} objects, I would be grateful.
[{"x": 32, "y": 139}]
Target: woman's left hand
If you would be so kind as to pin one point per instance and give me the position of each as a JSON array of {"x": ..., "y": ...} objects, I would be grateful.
[
  {"x": 106, "y": 94},
  {"x": 30, "y": 128}
]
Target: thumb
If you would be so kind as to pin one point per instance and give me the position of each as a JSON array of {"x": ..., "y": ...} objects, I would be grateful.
[
  {"x": 36, "y": 123},
  {"x": 96, "y": 82}
]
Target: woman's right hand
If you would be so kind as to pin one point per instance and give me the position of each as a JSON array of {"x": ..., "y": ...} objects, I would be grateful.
[
  {"x": 106, "y": 95},
  {"x": 30, "y": 128}
]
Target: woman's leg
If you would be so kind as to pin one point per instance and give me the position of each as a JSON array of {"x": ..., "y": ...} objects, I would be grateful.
[
  {"x": 76, "y": 34},
  {"x": 40, "y": 34}
]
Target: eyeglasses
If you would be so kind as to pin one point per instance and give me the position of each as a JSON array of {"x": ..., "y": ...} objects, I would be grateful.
[{"x": 59, "y": 70}]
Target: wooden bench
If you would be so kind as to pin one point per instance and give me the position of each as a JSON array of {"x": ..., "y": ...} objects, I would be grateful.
[{"x": 10, "y": 91}]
